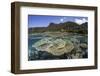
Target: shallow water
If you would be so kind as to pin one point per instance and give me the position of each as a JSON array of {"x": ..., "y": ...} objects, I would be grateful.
[{"x": 34, "y": 54}]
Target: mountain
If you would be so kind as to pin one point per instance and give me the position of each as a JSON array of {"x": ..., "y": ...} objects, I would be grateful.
[{"x": 62, "y": 27}]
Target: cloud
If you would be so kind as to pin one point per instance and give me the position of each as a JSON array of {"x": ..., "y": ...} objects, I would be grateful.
[
  {"x": 61, "y": 20},
  {"x": 80, "y": 21}
]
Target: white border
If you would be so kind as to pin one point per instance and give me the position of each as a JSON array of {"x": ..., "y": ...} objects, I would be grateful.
[{"x": 25, "y": 64}]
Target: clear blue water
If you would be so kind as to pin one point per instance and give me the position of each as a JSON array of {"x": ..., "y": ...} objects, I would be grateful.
[
  {"x": 31, "y": 41},
  {"x": 34, "y": 55}
]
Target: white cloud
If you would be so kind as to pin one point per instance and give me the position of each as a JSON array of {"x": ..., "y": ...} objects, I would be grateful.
[
  {"x": 80, "y": 21},
  {"x": 61, "y": 20}
]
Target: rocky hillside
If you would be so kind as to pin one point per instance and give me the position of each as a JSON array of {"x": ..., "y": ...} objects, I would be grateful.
[{"x": 62, "y": 27}]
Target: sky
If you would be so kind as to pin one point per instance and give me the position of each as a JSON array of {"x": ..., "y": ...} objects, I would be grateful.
[{"x": 44, "y": 20}]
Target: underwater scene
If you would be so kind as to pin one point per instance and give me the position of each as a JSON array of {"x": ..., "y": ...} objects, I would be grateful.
[{"x": 57, "y": 37}]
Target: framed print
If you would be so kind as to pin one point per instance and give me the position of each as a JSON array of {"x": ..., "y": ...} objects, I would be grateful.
[{"x": 52, "y": 37}]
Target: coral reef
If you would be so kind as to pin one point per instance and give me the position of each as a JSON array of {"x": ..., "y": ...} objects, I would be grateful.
[{"x": 70, "y": 46}]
